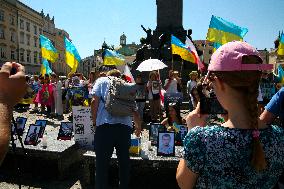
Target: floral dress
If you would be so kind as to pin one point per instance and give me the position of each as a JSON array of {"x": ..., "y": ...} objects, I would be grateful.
[{"x": 221, "y": 157}]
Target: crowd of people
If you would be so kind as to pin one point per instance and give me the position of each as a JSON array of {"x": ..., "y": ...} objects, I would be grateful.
[{"x": 245, "y": 150}]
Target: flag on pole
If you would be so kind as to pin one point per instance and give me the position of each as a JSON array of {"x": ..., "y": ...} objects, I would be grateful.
[
  {"x": 72, "y": 56},
  {"x": 128, "y": 74},
  {"x": 281, "y": 45},
  {"x": 113, "y": 58},
  {"x": 48, "y": 51},
  {"x": 182, "y": 50},
  {"x": 45, "y": 69},
  {"x": 192, "y": 48},
  {"x": 221, "y": 31},
  {"x": 125, "y": 70}
]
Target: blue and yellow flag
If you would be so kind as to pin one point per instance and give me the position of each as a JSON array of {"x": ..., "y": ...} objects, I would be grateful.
[
  {"x": 72, "y": 56},
  {"x": 182, "y": 50},
  {"x": 221, "y": 31},
  {"x": 280, "y": 76},
  {"x": 45, "y": 69},
  {"x": 281, "y": 45},
  {"x": 112, "y": 58},
  {"x": 48, "y": 51}
]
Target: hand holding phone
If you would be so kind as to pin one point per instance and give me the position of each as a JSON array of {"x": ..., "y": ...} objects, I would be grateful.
[{"x": 12, "y": 83}]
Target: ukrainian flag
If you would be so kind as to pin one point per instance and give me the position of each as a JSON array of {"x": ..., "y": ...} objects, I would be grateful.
[
  {"x": 280, "y": 76},
  {"x": 182, "y": 50},
  {"x": 281, "y": 45},
  {"x": 113, "y": 58},
  {"x": 221, "y": 31},
  {"x": 48, "y": 51},
  {"x": 45, "y": 69},
  {"x": 72, "y": 56}
]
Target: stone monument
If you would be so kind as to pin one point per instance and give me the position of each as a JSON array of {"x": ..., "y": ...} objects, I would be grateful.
[{"x": 158, "y": 42}]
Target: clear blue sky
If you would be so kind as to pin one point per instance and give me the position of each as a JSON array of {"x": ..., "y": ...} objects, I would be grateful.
[{"x": 88, "y": 22}]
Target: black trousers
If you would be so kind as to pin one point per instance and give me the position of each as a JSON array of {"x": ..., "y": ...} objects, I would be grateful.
[{"x": 106, "y": 138}]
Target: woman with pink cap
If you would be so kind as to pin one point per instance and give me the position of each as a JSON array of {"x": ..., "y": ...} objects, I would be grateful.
[{"x": 243, "y": 152}]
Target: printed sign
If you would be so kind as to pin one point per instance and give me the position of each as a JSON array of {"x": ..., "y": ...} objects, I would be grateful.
[
  {"x": 267, "y": 90},
  {"x": 83, "y": 127},
  {"x": 173, "y": 98}
]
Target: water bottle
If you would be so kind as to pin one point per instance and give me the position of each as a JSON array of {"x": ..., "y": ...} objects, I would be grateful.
[{"x": 44, "y": 141}]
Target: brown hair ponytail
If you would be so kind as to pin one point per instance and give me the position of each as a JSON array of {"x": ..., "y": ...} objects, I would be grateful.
[
  {"x": 247, "y": 82},
  {"x": 257, "y": 157}
]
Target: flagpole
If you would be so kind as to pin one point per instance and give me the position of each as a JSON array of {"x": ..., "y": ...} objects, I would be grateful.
[
  {"x": 172, "y": 62},
  {"x": 181, "y": 68}
]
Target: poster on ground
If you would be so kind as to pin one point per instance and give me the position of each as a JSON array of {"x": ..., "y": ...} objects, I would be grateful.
[{"x": 83, "y": 127}]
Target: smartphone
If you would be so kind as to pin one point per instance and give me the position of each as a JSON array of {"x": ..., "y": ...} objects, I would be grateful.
[
  {"x": 211, "y": 106},
  {"x": 13, "y": 71}
]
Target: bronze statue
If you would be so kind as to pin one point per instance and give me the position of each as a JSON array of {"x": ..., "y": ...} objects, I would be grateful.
[{"x": 149, "y": 35}]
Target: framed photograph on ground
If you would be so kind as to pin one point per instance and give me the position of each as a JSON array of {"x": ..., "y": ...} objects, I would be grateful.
[
  {"x": 65, "y": 131},
  {"x": 32, "y": 135},
  {"x": 155, "y": 128},
  {"x": 166, "y": 144},
  {"x": 179, "y": 136},
  {"x": 42, "y": 124},
  {"x": 20, "y": 125}
]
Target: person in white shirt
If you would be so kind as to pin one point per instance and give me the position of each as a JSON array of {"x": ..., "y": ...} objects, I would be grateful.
[
  {"x": 171, "y": 83},
  {"x": 154, "y": 88},
  {"x": 190, "y": 85}
]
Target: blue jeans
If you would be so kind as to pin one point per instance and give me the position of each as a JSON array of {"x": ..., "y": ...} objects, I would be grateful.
[
  {"x": 141, "y": 106},
  {"x": 107, "y": 137}
]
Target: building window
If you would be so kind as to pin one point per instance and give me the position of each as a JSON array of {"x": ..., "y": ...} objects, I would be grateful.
[
  {"x": 35, "y": 30},
  {"x": 3, "y": 52},
  {"x": 40, "y": 31},
  {"x": 35, "y": 57},
  {"x": 35, "y": 41},
  {"x": 40, "y": 58},
  {"x": 28, "y": 26},
  {"x": 22, "y": 24},
  {"x": 13, "y": 55},
  {"x": 2, "y": 34},
  {"x": 12, "y": 20},
  {"x": 28, "y": 56},
  {"x": 28, "y": 39},
  {"x": 13, "y": 36},
  {"x": 1, "y": 15},
  {"x": 22, "y": 56},
  {"x": 22, "y": 38}
]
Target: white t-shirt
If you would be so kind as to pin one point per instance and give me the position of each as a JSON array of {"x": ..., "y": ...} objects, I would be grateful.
[
  {"x": 259, "y": 98},
  {"x": 190, "y": 85},
  {"x": 172, "y": 87}
]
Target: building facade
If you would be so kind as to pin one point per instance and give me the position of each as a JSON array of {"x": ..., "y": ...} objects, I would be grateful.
[
  {"x": 20, "y": 30},
  {"x": 8, "y": 32},
  {"x": 86, "y": 66},
  {"x": 30, "y": 25}
]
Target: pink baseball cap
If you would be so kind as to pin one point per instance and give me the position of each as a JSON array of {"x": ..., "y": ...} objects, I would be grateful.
[{"x": 229, "y": 57}]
